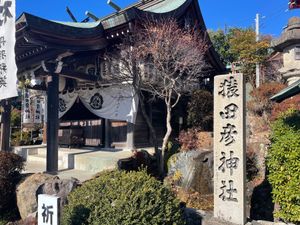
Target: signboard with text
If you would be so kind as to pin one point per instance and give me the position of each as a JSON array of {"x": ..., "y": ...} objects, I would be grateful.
[
  {"x": 48, "y": 210},
  {"x": 37, "y": 111},
  {"x": 8, "y": 68},
  {"x": 26, "y": 107},
  {"x": 229, "y": 148}
]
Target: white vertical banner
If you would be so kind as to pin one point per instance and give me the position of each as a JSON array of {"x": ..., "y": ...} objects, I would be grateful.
[
  {"x": 27, "y": 115},
  {"x": 8, "y": 68},
  {"x": 37, "y": 118}
]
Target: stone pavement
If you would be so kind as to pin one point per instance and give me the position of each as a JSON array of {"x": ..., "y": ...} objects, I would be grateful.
[
  {"x": 213, "y": 221},
  {"x": 208, "y": 219}
]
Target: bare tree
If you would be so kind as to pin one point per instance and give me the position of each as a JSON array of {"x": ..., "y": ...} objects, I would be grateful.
[
  {"x": 270, "y": 69},
  {"x": 166, "y": 61}
]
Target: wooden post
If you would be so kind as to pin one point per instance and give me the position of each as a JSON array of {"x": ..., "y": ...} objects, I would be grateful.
[
  {"x": 5, "y": 125},
  {"x": 52, "y": 123},
  {"x": 102, "y": 132},
  {"x": 130, "y": 136},
  {"x": 107, "y": 143}
]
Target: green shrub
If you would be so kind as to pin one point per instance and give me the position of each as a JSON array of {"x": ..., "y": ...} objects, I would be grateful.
[
  {"x": 200, "y": 110},
  {"x": 16, "y": 138},
  {"x": 10, "y": 168},
  {"x": 284, "y": 165},
  {"x": 117, "y": 197},
  {"x": 15, "y": 120},
  {"x": 8, "y": 216}
]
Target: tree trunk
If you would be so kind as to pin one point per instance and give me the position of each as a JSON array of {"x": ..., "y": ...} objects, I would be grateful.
[
  {"x": 152, "y": 131},
  {"x": 166, "y": 137}
]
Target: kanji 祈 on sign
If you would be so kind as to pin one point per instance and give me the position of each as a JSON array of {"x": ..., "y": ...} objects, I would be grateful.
[{"x": 48, "y": 210}]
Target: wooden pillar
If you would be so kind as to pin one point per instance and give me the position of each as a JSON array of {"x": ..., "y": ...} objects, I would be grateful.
[
  {"x": 5, "y": 125},
  {"x": 130, "y": 136},
  {"x": 107, "y": 143},
  {"x": 102, "y": 133},
  {"x": 52, "y": 123}
]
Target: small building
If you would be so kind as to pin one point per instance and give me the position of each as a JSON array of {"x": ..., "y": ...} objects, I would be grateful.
[
  {"x": 67, "y": 56},
  {"x": 289, "y": 45}
]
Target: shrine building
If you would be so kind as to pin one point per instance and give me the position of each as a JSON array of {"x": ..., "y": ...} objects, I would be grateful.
[{"x": 66, "y": 61}]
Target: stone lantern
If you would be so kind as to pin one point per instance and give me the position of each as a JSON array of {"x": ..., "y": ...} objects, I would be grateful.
[{"x": 289, "y": 45}]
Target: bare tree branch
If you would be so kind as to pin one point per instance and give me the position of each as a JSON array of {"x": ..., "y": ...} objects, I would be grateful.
[{"x": 163, "y": 59}]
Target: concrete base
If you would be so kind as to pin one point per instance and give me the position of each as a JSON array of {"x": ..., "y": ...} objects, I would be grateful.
[
  {"x": 99, "y": 161},
  {"x": 79, "y": 159},
  {"x": 78, "y": 163}
]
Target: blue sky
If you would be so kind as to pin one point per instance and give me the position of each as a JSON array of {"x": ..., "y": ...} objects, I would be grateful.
[{"x": 216, "y": 13}]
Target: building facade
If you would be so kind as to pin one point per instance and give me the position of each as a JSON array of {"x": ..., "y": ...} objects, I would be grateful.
[{"x": 67, "y": 56}]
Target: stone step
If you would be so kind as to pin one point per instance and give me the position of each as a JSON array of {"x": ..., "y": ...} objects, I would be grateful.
[
  {"x": 99, "y": 160},
  {"x": 119, "y": 145},
  {"x": 25, "y": 151},
  {"x": 62, "y": 164},
  {"x": 62, "y": 152},
  {"x": 90, "y": 160},
  {"x": 65, "y": 159}
]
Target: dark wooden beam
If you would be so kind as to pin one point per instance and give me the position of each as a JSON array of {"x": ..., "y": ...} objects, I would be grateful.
[
  {"x": 5, "y": 125},
  {"x": 37, "y": 88},
  {"x": 73, "y": 74},
  {"x": 52, "y": 123},
  {"x": 31, "y": 61},
  {"x": 78, "y": 75}
]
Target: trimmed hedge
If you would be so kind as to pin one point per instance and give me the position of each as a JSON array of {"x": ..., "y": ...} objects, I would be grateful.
[
  {"x": 284, "y": 165},
  {"x": 11, "y": 166},
  {"x": 117, "y": 197}
]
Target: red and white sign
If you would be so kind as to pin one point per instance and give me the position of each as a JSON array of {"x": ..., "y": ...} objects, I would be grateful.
[{"x": 294, "y": 4}]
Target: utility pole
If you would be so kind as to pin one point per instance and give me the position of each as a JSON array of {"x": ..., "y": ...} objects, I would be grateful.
[{"x": 257, "y": 78}]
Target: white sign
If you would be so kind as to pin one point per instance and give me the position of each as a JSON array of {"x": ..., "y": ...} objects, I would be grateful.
[
  {"x": 229, "y": 148},
  {"x": 37, "y": 110},
  {"x": 8, "y": 68},
  {"x": 48, "y": 210},
  {"x": 27, "y": 115}
]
